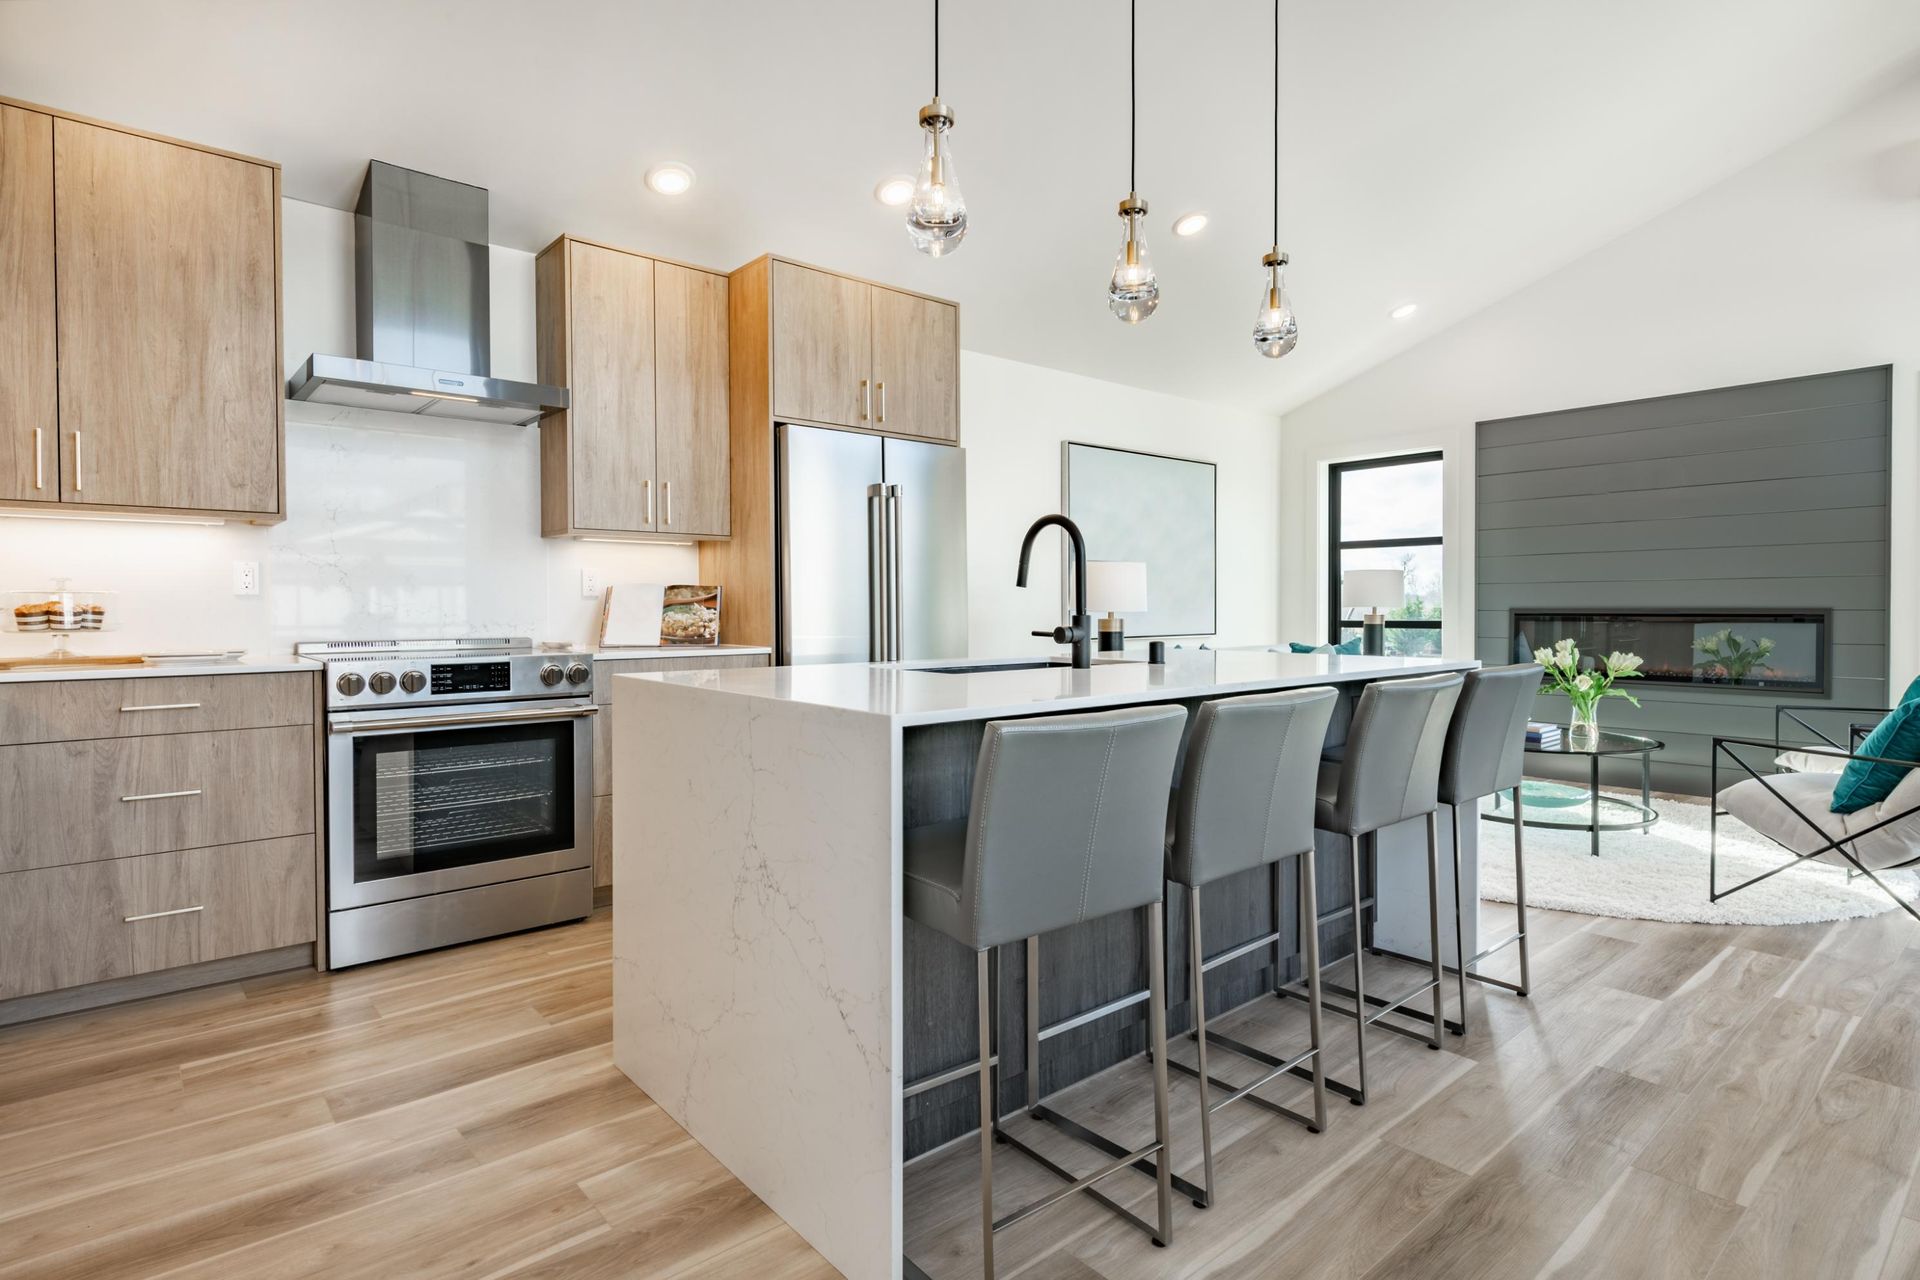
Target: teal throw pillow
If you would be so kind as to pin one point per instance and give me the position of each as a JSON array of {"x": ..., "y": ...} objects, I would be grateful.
[
  {"x": 1346, "y": 646},
  {"x": 1895, "y": 738},
  {"x": 1913, "y": 691}
]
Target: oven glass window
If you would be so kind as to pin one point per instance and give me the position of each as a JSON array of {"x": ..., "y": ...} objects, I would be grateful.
[{"x": 454, "y": 797}]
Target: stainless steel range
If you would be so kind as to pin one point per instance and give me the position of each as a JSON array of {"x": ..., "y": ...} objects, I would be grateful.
[{"x": 459, "y": 791}]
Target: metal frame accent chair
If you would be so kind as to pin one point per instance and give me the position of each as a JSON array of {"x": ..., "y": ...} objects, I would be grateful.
[{"x": 1792, "y": 810}]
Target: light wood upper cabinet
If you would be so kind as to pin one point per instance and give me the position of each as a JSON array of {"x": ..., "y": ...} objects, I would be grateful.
[
  {"x": 641, "y": 345},
  {"x": 611, "y": 422},
  {"x": 690, "y": 447},
  {"x": 916, "y": 366},
  {"x": 853, "y": 354},
  {"x": 139, "y": 322},
  {"x": 822, "y": 347},
  {"x": 168, "y": 302},
  {"x": 29, "y": 396}
]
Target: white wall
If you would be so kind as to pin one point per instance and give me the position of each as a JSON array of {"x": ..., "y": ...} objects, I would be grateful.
[
  {"x": 401, "y": 526},
  {"x": 1808, "y": 262},
  {"x": 1013, "y": 419}
]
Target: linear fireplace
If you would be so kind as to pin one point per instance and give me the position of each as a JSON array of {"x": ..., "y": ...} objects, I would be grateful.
[{"x": 1727, "y": 649}]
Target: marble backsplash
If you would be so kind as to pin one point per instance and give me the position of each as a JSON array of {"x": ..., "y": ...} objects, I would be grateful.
[{"x": 396, "y": 527}]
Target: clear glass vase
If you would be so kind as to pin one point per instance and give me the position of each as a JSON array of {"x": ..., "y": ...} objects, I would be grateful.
[{"x": 1584, "y": 730}]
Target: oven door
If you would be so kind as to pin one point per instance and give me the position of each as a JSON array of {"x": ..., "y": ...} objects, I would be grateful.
[{"x": 427, "y": 803}]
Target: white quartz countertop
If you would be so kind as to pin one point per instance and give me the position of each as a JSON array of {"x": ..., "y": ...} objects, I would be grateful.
[
  {"x": 675, "y": 651},
  {"x": 248, "y": 666},
  {"x": 909, "y": 694}
]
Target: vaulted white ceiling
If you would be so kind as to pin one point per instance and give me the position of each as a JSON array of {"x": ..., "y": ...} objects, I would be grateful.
[{"x": 1445, "y": 154}]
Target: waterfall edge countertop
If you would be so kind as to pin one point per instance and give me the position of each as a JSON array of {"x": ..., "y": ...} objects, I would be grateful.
[
  {"x": 919, "y": 693},
  {"x": 760, "y": 954}
]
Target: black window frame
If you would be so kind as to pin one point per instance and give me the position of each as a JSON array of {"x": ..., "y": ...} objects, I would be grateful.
[{"x": 1336, "y": 471}]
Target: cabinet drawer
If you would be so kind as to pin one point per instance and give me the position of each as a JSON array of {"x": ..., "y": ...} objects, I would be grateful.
[
  {"x": 67, "y": 802},
  {"x": 71, "y": 710},
  {"x": 65, "y": 926}
]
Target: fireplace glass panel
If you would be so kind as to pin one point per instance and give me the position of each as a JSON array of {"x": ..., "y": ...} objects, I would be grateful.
[{"x": 1782, "y": 652}]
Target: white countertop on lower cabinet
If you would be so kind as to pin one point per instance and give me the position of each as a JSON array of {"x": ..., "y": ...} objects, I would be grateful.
[
  {"x": 643, "y": 653},
  {"x": 916, "y": 693},
  {"x": 248, "y": 666}
]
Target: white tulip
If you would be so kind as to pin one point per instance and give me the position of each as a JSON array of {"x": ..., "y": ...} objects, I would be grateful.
[{"x": 1584, "y": 683}]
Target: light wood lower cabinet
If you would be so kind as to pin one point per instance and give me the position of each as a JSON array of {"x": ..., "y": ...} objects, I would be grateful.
[
  {"x": 603, "y": 673},
  {"x": 70, "y": 710},
  {"x": 68, "y": 802},
  {"x": 94, "y": 921}
]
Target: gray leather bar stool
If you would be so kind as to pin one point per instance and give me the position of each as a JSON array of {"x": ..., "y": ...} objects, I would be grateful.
[
  {"x": 1390, "y": 774},
  {"x": 1066, "y": 824},
  {"x": 1486, "y": 749},
  {"x": 1246, "y": 800}
]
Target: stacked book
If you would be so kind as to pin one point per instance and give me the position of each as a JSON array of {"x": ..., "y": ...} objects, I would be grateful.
[{"x": 1542, "y": 735}]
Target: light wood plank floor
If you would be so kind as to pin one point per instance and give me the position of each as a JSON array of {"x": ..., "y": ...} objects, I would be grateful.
[{"x": 1674, "y": 1101}]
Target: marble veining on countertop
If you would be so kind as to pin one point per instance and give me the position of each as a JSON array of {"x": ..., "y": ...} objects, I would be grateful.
[{"x": 910, "y": 693}]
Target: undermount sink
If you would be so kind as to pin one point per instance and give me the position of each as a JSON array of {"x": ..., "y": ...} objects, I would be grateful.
[{"x": 977, "y": 667}]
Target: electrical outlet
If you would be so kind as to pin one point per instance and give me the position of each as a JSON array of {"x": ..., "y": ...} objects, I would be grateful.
[
  {"x": 589, "y": 584},
  {"x": 246, "y": 577}
]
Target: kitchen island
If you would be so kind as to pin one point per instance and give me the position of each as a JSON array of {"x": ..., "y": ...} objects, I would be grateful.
[{"x": 768, "y": 992}]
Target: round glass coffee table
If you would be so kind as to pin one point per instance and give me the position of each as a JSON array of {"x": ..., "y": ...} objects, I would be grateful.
[{"x": 1541, "y": 794}]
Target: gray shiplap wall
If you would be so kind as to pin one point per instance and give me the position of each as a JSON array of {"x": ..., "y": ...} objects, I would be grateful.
[{"x": 1766, "y": 496}]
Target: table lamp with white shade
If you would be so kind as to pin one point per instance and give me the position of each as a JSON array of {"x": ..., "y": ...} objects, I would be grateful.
[
  {"x": 1374, "y": 590},
  {"x": 1116, "y": 587}
]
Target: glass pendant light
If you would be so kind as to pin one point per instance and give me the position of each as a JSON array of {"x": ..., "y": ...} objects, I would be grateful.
[
  {"x": 1134, "y": 291},
  {"x": 1275, "y": 330},
  {"x": 937, "y": 213}
]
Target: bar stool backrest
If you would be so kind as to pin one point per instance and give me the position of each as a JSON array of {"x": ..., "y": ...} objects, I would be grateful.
[
  {"x": 1392, "y": 767},
  {"x": 1246, "y": 797},
  {"x": 1069, "y": 820},
  {"x": 1486, "y": 743}
]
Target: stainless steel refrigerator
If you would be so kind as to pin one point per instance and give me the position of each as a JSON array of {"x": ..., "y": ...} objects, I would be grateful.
[{"x": 872, "y": 548}]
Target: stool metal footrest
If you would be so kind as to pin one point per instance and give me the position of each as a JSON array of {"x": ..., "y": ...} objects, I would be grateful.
[
  {"x": 1107, "y": 1146},
  {"x": 1276, "y": 1067},
  {"x": 1122, "y": 1159}
]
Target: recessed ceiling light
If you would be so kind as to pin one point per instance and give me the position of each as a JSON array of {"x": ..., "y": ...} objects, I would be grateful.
[
  {"x": 1404, "y": 310},
  {"x": 670, "y": 179},
  {"x": 1190, "y": 224},
  {"x": 893, "y": 192}
]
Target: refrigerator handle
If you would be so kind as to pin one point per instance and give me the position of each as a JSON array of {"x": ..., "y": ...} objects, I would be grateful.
[
  {"x": 895, "y": 644},
  {"x": 877, "y": 561}
]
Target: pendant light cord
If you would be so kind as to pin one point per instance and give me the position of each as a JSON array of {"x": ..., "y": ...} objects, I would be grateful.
[
  {"x": 936, "y": 49},
  {"x": 1276, "y": 125},
  {"x": 1133, "y": 95}
]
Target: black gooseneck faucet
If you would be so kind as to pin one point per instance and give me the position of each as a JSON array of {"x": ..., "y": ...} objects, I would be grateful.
[{"x": 1079, "y": 631}]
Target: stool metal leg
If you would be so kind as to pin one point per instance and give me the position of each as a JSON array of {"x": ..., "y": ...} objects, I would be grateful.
[
  {"x": 1520, "y": 889},
  {"x": 1359, "y": 980},
  {"x": 1310, "y": 945},
  {"x": 986, "y": 1118},
  {"x": 1459, "y": 924},
  {"x": 1197, "y": 990},
  {"x": 1433, "y": 928},
  {"x": 1157, "y": 1034},
  {"x": 1033, "y": 1022}
]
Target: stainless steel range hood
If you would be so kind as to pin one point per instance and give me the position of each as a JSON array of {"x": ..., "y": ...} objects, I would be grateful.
[{"x": 421, "y": 310}]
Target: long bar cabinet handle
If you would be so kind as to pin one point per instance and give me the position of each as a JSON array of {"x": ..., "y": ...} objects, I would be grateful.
[
  {"x": 646, "y": 494},
  {"x": 881, "y": 387},
  {"x": 666, "y": 489},
  {"x": 39, "y": 459},
  {"x": 866, "y": 399},
  {"x": 162, "y": 706},
  {"x": 162, "y": 795},
  {"x": 79, "y": 465},
  {"x": 155, "y": 915}
]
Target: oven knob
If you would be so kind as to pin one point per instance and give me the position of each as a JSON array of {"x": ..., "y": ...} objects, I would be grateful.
[
  {"x": 350, "y": 683},
  {"x": 578, "y": 673},
  {"x": 413, "y": 682},
  {"x": 381, "y": 682},
  {"x": 551, "y": 675}
]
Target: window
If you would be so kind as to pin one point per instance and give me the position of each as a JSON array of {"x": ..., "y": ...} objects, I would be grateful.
[{"x": 1384, "y": 513}]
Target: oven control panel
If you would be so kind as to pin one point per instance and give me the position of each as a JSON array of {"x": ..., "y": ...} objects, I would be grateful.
[
  {"x": 426, "y": 679},
  {"x": 470, "y": 677}
]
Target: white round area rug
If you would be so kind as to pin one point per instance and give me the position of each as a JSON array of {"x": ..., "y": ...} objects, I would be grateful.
[{"x": 1662, "y": 874}]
